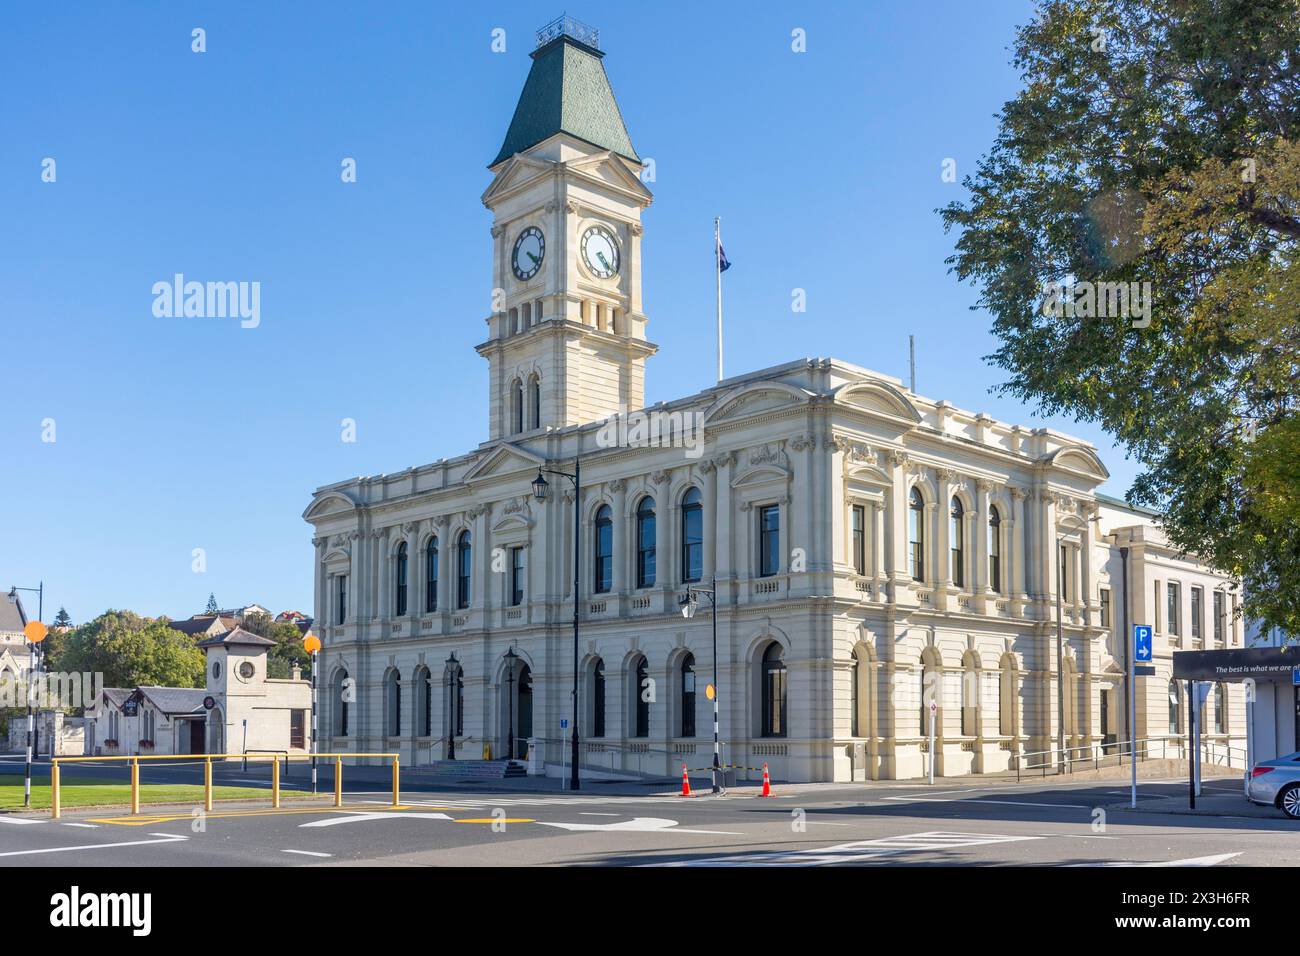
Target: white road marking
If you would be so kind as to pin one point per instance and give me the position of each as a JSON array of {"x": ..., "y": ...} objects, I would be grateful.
[
  {"x": 592, "y": 813},
  {"x": 86, "y": 826},
  {"x": 365, "y": 817},
  {"x": 862, "y": 851},
  {"x": 1026, "y": 803},
  {"x": 166, "y": 838},
  {"x": 635, "y": 825},
  {"x": 17, "y": 821},
  {"x": 307, "y": 853},
  {"x": 1189, "y": 861}
]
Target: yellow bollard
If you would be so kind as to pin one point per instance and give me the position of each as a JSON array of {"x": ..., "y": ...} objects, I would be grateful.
[
  {"x": 54, "y": 790},
  {"x": 338, "y": 781},
  {"x": 207, "y": 785},
  {"x": 275, "y": 783},
  {"x": 397, "y": 794},
  {"x": 135, "y": 788}
]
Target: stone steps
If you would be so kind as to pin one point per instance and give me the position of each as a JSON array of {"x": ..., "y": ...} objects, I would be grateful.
[{"x": 471, "y": 769}]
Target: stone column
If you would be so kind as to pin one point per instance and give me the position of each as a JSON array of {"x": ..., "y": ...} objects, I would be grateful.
[
  {"x": 414, "y": 578},
  {"x": 900, "y": 575},
  {"x": 878, "y": 568},
  {"x": 625, "y": 543},
  {"x": 484, "y": 578},
  {"x": 1015, "y": 549},
  {"x": 726, "y": 567},
  {"x": 384, "y": 602},
  {"x": 355, "y": 575},
  {"x": 446, "y": 562},
  {"x": 709, "y": 469}
]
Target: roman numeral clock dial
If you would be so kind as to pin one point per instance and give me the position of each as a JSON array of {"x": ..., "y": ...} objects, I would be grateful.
[
  {"x": 600, "y": 252},
  {"x": 530, "y": 249}
]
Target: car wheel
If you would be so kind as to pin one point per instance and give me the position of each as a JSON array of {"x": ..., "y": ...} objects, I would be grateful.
[{"x": 1289, "y": 801}]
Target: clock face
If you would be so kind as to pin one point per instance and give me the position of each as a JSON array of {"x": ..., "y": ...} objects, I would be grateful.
[
  {"x": 600, "y": 252},
  {"x": 530, "y": 250}
]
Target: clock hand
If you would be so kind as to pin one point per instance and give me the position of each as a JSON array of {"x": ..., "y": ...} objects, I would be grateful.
[
  {"x": 604, "y": 262},
  {"x": 536, "y": 261}
]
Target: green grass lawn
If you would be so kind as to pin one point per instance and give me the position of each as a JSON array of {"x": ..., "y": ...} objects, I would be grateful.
[{"x": 89, "y": 792}]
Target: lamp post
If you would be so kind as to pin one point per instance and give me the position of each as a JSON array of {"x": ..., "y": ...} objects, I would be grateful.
[
  {"x": 690, "y": 604},
  {"x": 453, "y": 668},
  {"x": 1060, "y": 660},
  {"x": 511, "y": 657},
  {"x": 34, "y": 631},
  {"x": 311, "y": 644},
  {"x": 540, "y": 487}
]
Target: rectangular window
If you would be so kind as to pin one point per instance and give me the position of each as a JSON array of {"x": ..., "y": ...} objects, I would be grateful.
[
  {"x": 340, "y": 598},
  {"x": 297, "y": 728},
  {"x": 859, "y": 539},
  {"x": 1155, "y": 605},
  {"x": 516, "y": 576},
  {"x": 1171, "y": 612},
  {"x": 1198, "y": 601},
  {"x": 769, "y": 540},
  {"x": 1105, "y": 607},
  {"x": 1218, "y": 617}
]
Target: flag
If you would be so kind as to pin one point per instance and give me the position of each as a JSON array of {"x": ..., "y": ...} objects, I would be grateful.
[{"x": 723, "y": 264}]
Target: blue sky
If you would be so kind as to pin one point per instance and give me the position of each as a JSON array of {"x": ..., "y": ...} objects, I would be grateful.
[{"x": 176, "y": 434}]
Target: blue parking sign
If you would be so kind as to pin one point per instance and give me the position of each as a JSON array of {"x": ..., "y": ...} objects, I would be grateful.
[{"x": 1142, "y": 642}]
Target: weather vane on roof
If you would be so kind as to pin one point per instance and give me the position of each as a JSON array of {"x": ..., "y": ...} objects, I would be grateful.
[{"x": 565, "y": 25}]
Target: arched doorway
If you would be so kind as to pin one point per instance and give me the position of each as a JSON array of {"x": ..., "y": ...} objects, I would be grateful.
[
  {"x": 517, "y": 708},
  {"x": 216, "y": 731}
]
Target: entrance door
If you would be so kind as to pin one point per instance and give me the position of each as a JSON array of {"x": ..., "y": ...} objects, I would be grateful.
[
  {"x": 525, "y": 709},
  {"x": 196, "y": 736}
]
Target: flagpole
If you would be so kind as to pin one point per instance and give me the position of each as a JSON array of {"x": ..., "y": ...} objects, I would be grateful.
[{"x": 717, "y": 266}]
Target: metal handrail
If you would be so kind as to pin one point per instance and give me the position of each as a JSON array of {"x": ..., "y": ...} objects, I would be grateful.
[{"x": 56, "y": 772}]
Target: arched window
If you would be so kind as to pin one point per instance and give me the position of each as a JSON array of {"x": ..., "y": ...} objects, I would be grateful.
[
  {"x": 692, "y": 536},
  {"x": 465, "y": 565},
  {"x": 603, "y": 543},
  {"x": 393, "y": 704},
  {"x": 855, "y": 725},
  {"x": 423, "y": 702},
  {"x": 916, "y": 534},
  {"x": 688, "y": 696},
  {"x": 342, "y": 692},
  {"x": 995, "y": 549},
  {"x": 401, "y": 579},
  {"x": 774, "y": 680},
  {"x": 1174, "y": 724},
  {"x": 535, "y": 399},
  {"x": 970, "y": 695},
  {"x": 956, "y": 528},
  {"x": 598, "y": 699},
  {"x": 1007, "y": 697},
  {"x": 645, "y": 543},
  {"x": 641, "y": 692},
  {"x": 517, "y": 406},
  {"x": 431, "y": 575}
]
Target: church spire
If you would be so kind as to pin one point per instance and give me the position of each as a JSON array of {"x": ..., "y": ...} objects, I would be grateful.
[{"x": 567, "y": 91}]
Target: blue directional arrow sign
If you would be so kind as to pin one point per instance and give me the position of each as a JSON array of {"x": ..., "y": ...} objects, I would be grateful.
[{"x": 1142, "y": 642}]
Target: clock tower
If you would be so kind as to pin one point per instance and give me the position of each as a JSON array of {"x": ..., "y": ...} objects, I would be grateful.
[{"x": 566, "y": 338}]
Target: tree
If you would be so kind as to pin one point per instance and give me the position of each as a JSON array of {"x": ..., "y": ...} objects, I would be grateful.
[
  {"x": 130, "y": 651},
  {"x": 63, "y": 618},
  {"x": 288, "y": 644},
  {"x": 212, "y": 604},
  {"x": 1158, "y": 141}
]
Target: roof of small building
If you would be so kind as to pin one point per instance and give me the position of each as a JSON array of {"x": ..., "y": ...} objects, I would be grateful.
[
  {"x": 197, "y": 625},
  {"x": 12, "y": 616},
  {"x": 117, "y": 695},
  {"x": 175, "y": 700},
  {"x": 237, "y": 636}
]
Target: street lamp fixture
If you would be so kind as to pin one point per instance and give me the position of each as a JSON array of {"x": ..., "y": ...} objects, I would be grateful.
[
  {"x": 689, "y": 605},
  {"x": 511, "y": 657},
  {"x": 453, "y": 665}
]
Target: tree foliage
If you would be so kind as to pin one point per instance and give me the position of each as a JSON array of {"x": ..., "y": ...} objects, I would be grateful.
[
  {"x": 129, "y": 651},
  {"x": 288, "y": 644},
  {"x": 1159, "y": 141}
]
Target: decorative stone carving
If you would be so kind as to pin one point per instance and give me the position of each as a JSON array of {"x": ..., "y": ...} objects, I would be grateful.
[
  {"x": 768, "y": 455},
  {"x": 617, "y": 485},
  {"x": 659, "y": 477},
  {"x": 516, "y": 506},
  {"x": 802, "y": 442}
]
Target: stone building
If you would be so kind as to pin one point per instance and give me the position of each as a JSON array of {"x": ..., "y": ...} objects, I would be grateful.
[{"x": 867, "y": 542}]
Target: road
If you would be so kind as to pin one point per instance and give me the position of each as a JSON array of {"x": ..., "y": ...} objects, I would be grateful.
[{"x": 980, "y": 823}]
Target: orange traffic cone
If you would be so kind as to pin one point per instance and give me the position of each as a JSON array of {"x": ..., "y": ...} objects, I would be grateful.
[
  {"x": 767, "y": 783},
  {"x": 686, "y": 783}
]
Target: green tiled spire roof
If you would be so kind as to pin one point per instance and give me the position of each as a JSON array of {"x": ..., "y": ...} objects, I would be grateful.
[{"x": 567, "y": 91}]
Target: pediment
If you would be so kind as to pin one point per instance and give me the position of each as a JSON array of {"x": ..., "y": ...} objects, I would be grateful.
[
  {"x": 505, "y": 459},
  {"x": 753, "y": 399},
  {"x": 1076, "y": 460},
  {"x": 612, "y": 170},
  {"x": 518, "y": 170},
  {"x": 329, "y": 504},
  {"x": 880, "y": 400}
]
